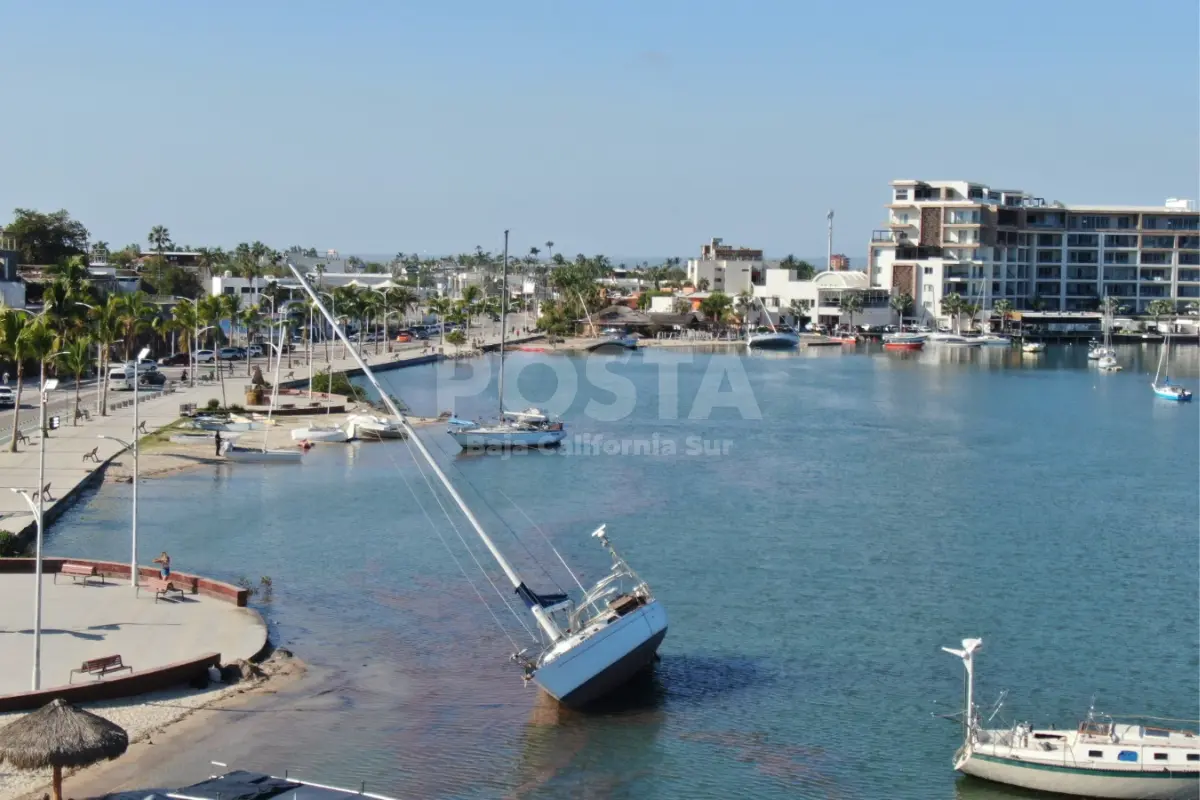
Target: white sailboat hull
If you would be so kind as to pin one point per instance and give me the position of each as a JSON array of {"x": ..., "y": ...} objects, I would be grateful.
[
  {"x": 481, "y": 438},
  {"x": 330, "y": 434},
  {"x": 776, "y": 340},
  {"x": 373, "y": 428},
  {"x": 1100, "y": 783},
  {"x": 605, "y": 659}
]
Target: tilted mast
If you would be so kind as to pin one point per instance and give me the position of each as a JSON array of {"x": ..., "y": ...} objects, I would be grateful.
[
  {"x": 547, "y": 624},
  {"x": 503, "y": 320}
]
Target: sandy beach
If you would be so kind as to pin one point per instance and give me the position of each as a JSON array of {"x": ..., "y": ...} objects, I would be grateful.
[{"x": 146, "y": 719}]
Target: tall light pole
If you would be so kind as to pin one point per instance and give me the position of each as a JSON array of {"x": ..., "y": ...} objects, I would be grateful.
[
  {"x": 329, "y": 361},
  {"x": 195, "y": 357},
  {"x": 36, "y": 510},
  {"x": 133, "y": 569},
  {"x": 829, "y": 245}
]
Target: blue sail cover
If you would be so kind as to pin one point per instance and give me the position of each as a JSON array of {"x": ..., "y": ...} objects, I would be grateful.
[
  {"x": 457, "y": 421},
  {"x": 532, "y": 598}
]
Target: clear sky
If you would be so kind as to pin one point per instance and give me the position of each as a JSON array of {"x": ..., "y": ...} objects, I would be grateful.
[{"x": 629, "y": 127}]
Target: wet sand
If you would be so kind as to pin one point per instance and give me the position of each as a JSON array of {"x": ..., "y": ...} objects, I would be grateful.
[{"x": 158, "y": 724}]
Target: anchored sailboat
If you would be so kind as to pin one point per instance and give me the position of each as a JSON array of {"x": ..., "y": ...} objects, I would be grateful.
[
  {"x": 774, "y": 339},
  {"x": 1166, "y": 389},
  {"x": 1101, "y": 759},
  {"x": 523, "y": 429},
  {"x": 592, "y": 645},
  {"x": 233, "y": 452}
]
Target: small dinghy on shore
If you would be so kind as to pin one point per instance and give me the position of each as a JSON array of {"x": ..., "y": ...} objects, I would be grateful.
[{"x": 320, "y": 433}]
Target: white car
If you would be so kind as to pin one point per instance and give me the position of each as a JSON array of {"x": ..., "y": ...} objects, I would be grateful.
[
  {"x": 8, "y": 399},
  {"x": 203, "y": 356},
  {"x": 254, "y": 350}
]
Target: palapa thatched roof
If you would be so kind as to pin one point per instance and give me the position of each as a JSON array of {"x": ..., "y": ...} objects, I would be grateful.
[{"x": 60, "y": 735}]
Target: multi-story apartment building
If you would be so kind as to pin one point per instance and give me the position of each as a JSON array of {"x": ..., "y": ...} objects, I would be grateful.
[
  {"x": 987, "y": 244},
  {"x": 726, "y": 269}
]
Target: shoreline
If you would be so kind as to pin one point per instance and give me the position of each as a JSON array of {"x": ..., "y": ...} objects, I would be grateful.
[{"x": 153, "y": 721}]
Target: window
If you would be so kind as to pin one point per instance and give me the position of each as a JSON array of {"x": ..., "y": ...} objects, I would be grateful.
[
  {"x": 1156, "y": 258},
  {"x": 1193, "y": 756},
  {"x": 975, "y": 192},
  {"x": 1189, "y": 258},
  {"x": 902, "y": 194},
  {"x": 929, "y": 270},
  {"x": 902, "y": 218},
  {"x": 1160, "y": 756},
  {"x": 1083, "y": 240},
  {"x": 993, "y": 197},
  {"x": 1158, "y": 242},
  {"x": 1118, "y": 258},
  {"x": 1113, "y": 240},
  {"x": 1189, "y": 242},
  {"x": 1052, "y": 256},
  {"x": 1049, "y": 240},
  {"x": 1095, "y": 754}
]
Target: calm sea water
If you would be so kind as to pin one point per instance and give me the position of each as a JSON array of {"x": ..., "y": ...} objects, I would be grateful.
[{"x": 812, "y": 561}]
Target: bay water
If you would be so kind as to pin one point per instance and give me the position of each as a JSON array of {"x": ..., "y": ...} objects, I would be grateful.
[{"x": 817, "y": 525}]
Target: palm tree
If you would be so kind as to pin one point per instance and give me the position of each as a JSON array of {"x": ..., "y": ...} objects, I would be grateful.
[
  {"x": 716, "y": 307},
  {"x": 902, "y": 304},
  {"x": 744, "y": 303},
  {"x": 137, "y": 313},
  {"x": 186, "y": 318},
  {"x": 75, "y": 359},
  {"x": 210, "y": 258},
  {"x": 1005, "y": 309},
  {"x": 799, "y": 309},
  {"x": 12, "y": 325},
  {"x": 36, "y": 342},
  {"x": 106, "y": 328},
  {"x": 441, "y": 306},
  {"x": 160, "y": 238},
  {"x": 953, "y": 305},
  {"x": 550, "y": 250},
  {"x": 971, "y": 310},
  {"x": 703, "y": 284},
  {"x": 1159, "y": 309},
  {"x": 851, "y": 304},
  {"x": 211, "y": 310}
]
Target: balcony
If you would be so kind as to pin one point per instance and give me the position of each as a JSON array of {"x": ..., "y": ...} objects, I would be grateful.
[
  {"x": 884, "y": 237},
  {"x": 907, "y": 251}
]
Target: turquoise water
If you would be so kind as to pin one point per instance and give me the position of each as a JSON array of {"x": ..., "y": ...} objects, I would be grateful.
[{"x": 812, "y": 561}]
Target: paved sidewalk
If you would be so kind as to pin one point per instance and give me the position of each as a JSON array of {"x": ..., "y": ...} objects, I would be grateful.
[{"x": 66, "y": 447}]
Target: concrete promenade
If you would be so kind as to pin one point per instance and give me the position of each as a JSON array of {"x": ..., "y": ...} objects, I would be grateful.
[
  {"x": 66, "y": 470},
  {"x": 81, "y": 622}
]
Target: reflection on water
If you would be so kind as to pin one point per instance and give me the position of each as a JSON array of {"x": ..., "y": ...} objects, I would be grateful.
[{"x": 885, "y": 504}]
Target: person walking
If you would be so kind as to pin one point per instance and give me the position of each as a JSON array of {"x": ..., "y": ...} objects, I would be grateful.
[{"x": 218, "y": 440}]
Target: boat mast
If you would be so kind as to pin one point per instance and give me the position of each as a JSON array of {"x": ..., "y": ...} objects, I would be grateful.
[
  {"x": 275, "y": 384},
  {"x": 543, "y": 619},
  {"x": 768, "y": 313},
  {"x": 503, "y": 319},
  {"x": 967, "y": 654}
]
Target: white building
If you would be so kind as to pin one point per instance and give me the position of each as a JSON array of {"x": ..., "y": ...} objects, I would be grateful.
[
  {"x": 989, "y": 244},
  {"x": 726, "y": 269}
]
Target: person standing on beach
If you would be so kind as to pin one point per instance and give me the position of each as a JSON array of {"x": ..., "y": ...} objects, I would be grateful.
[
  {"x": 164, "y": 562},
  {"x": 218, "y": 438}
]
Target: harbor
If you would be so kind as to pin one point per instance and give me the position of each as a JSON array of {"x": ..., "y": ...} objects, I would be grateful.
[{"x": 406, "y": 686}]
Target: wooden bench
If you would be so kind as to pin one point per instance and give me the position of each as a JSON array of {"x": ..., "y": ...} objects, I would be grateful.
[
  {"x": 78, "y": 572},
  {"x": 100, "y": 667},
  {"x": 160, "y": 587},
  {"x": 91, "y": 455}
]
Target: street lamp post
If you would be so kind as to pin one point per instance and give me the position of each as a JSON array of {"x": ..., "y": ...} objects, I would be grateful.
[
  {"x": 195, "y": 359},
  {"x": 133, "y": 573},
  {"x": 329, "y": 360},
  {"x": 36, "y": 509}
]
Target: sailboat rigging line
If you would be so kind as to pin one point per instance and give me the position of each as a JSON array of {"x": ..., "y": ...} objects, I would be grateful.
[
  {"x": 546, "y": 539},
  {"x": 470, "y": 551},
  {"x": 544, "y": 620},
  {"x": 458, "y": 563}
]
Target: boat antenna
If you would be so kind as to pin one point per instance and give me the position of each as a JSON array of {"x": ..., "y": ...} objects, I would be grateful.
[{"x": 547, "y": 624}]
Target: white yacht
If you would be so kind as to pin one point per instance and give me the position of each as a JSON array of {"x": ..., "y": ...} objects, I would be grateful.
[
  {"x": 589, "y": 645},
  {"x": 954, "y": 340},
  {"x": 1099, "y": 759},
  {"x": 993, "y": 340}
]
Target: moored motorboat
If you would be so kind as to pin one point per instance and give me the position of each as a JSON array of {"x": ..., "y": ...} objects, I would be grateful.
[
  {"x": 903, "y": 341},
  {"x": 994, "y": 340},
  {"x": 1033, "y": 347},
  {"x": 953, "y": 340},
  {"x": 1099, "y": 759},
  {"x": 614, "y": 344}
]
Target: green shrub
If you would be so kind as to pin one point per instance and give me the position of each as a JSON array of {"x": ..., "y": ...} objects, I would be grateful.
[
  {"x": 8, "y": 545},
  {"x": 213, "y": 404}
]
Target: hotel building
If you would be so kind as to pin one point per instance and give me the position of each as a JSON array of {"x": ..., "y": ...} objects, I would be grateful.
[{"x": 989, "y": 244}]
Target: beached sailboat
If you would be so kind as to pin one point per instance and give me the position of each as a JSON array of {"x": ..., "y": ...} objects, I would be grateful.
[
  {"x": 520, "y": 430},
  {"x": 1099, "y": 759},
  {"x": 773, "y": 339},
  {"x": 320, "y": 433},
  {"x": 372, "y": 427},
  {"x": 592, "y": 644},
  {"x": 1165, "y": 389},
  {"x": 234, "y": 452}
]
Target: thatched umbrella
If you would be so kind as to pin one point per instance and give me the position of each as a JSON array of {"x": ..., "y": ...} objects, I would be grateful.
[{"x": 60, "y": 735}]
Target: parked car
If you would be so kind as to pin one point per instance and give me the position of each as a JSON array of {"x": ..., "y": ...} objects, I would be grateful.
[
  {"x": 203, "y": 356},
  {"x": 229, "y": 353},
  {"x": 154, "y": 378},
  {"x": 145, "y": 365},
  {"x": 254, "y": 350},
  {"x": 8, "y": 398},
  {"x": 176, "y": 360}
]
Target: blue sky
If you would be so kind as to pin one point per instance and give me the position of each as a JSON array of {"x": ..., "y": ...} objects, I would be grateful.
[{"x": 624, "y": 127}]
